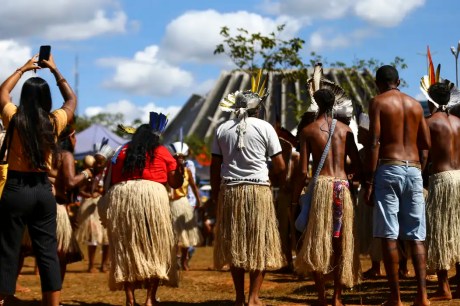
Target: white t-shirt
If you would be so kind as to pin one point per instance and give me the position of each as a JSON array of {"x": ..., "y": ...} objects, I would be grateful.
[{"x": 248, "y": 165}]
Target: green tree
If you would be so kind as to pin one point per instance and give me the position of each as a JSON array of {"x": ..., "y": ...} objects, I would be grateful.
[{"x": 251, "y": 51}]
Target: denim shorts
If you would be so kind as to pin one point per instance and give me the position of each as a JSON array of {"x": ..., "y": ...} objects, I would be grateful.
[{"x": 399, "y": 210}]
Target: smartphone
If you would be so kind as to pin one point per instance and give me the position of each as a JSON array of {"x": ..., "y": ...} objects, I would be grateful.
[{"x": 44, "y": 54}]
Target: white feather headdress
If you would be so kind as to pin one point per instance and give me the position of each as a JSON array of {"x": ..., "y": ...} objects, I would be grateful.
[
  {"x": 239, "y": 102},
  {"x": 342, "y": 105}
]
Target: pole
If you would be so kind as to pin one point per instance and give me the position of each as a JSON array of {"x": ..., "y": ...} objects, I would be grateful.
[{"x": 456, "y": 71}]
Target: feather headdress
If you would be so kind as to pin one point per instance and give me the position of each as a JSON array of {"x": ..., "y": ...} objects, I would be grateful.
[
  {"x": 158, "y": 122},
  {"x": 126, "y": 129},
  {"x": 342, "y": 105},
  {"x": 248, "y": 99},
  {"x": 240, "y": 102},
  {"x": 434, "y": 77},
  {"x": 106, "y": 151}
]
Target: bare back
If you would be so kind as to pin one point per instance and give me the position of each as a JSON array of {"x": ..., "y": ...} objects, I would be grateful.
[
  {"x": 315, "y": 137},
  {"x": 400, "y": 126},
  {"x": 445, "y": 142}
]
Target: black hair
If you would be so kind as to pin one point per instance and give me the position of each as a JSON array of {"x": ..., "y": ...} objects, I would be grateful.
[
  {"x": 387, "y": 75},
  {"x": 142, "y": 145},
  {"x": 440, "y": 93},
  {"x": 325, "y": 100},
  {"x": 64, "y": 139},
  {"x": 33, "y": 122}
]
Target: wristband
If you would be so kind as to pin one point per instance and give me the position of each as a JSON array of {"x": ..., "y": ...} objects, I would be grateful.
[
  {"x": 85, "y": 174},
  {"x": 20, "y": 71}
]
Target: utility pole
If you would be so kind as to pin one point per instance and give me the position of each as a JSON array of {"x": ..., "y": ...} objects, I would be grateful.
[
  {"x": 455, "y": 53},
  {"x": 76, "y": 76}
]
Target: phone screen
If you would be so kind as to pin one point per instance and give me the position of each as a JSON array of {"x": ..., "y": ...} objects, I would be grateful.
[{"x": 44, "y": 53}]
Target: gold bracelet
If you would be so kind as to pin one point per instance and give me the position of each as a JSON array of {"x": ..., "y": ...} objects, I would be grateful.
[
  {"x": 20, "y": 71},
  {"x": 61, "y": 80}
]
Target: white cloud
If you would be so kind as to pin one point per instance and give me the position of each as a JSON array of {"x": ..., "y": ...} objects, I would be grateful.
[
  {"x": 387, "y": 13},
  {"x": 131, "y": 111},
  {"x": 61, "y": 20},
  {"x": 330, "y": 39},
  {"x": 146, "y": 74},
  {"x": 193, "y": 36},
  {"x": 13, "y": 56},
  {"x": 83, "y": 29}
]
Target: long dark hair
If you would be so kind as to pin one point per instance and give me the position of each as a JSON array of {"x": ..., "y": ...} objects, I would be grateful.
[
  {"x": 142, "y": 145},
  {"x": 36, "y": 131}
]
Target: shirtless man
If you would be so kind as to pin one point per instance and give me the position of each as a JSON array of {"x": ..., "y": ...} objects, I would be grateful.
[
  {"x": 443, "y": 201},
  {"x": 398, "y": 133},
  {"x": 330, "y": 220},
  {"x": 63, "y": 179}
]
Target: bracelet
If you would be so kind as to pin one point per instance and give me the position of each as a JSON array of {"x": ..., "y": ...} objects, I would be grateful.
[
  {"x": 20, "y": 71},
  {"x": 85, "y": 174},
  {"x": 61, "y": 80}
]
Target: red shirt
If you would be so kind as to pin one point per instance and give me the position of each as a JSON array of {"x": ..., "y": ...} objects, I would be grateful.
[{"x": 156, "y": 171}]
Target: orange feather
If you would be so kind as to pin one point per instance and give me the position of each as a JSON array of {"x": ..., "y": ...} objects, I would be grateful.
[{"x": 431, "y": 73}]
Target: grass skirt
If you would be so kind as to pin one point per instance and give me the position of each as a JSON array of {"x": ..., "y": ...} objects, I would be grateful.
[
  {"x": 443, "y": 220},
  {"x": 63, "y": 229},
  {"x": 246, "y": 229},
  {"x": 90, "y": 230},
  {"x": 184, "y": 223},
  {"x": 316, "y": 253},
  {"x": 138, "y": 219}
]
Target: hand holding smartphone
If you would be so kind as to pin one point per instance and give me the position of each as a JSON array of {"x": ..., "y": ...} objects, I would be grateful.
[{"x": 44, "y": 54}]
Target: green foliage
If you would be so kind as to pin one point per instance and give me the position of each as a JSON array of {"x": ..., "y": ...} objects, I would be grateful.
[{"x": 251, "y": 51}]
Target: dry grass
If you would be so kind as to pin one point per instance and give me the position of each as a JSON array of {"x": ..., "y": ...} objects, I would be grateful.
[{"x": 203, "y": 286}]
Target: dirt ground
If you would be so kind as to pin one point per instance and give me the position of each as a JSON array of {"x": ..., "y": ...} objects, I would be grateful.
[{"x": 204, "y": 286}]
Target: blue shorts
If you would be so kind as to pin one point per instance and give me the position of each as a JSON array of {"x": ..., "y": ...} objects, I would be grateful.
[{"x": 399, "y": 210}]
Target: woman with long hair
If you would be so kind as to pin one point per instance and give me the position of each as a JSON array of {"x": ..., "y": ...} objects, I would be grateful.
[
  {"x": 136, "y": 212},
  {"x": 27, "y": 198}
]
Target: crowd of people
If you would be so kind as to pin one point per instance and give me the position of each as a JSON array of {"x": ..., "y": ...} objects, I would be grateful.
[{"x": 314, "y": 195}]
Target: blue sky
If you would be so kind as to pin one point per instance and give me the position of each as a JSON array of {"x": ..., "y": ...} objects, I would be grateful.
[{"x": 143, "y": 55}]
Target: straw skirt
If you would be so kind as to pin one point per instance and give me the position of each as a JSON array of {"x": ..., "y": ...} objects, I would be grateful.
[
  {"x": 63, "y": 229},
  {"x": 247, "y": 233},
  {"x": 443, "y": 220},
  {"x": 138, "y": 220},
  {"x": 316, "y": 253},
  {"x": 185, "y": 226},
  {"x": 90, "y": 230}
]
